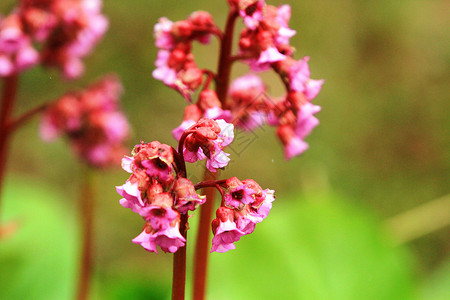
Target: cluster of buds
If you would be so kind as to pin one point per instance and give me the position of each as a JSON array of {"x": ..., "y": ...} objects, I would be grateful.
[
  {"x": 263, "y": 45},
  {"x": 175, "y": 63},
  {"x": 160, "y": 193},
  {"x": 64, "y": 31},
  {"x": 92, "y": 121}
]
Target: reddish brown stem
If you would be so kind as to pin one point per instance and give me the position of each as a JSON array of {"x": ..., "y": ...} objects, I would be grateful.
[
  {"x": 179, "y": 264},
  {"x": 225, "y": 61},
  {"x": 86, "y": 220},
  {"x": 9, "y": 91},
  {"x": 206, "y": 210},
  {"x": 209, "y": 183},
  {"x": 203, "y": 237},
  {"x": 16, "y": 123}
]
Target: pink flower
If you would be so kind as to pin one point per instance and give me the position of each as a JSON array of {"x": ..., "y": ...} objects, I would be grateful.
[
  {"x": 207, "y": 140},
  {"x": 253, "y": 14},
  {"x": 92, "y": 120},
  {"x": 300, "y": 81},
  {"x": 306, "y": 121},
  {"x": 186, "y": 197},
  {"x": 266, "y": 204},
  {"x": 16, "y": 50},
  {"x": 225, "y": 235},
  {"x": 163, "y": 72},
  {"x": 246, "y": 83},
  {"x": 239, "y": 196},
  {"x": 160, "y": 217},
  {"x": 293, "y": 145},
  {"x": 270, "y": 55},
  {"x": 127, "y": 164},
  {"x": 169, "y": 239},
  {"x": 131, "y": 196},
  {"x": 163, "y": 36},
  {"x": 284, "y": 32},
  {"x": 158, "y": 168},
  {"x": 178, "y": 131}
]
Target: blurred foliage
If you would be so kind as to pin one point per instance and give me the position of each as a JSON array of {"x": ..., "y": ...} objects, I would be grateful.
[
  {"x": 38, "y": 255},
  {"x": 383, "y": 144}
]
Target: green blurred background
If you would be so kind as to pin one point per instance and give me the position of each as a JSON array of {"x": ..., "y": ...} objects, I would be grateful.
[{"x": 382, "y": 149}]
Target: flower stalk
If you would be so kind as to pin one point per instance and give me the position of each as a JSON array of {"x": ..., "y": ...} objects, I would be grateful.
[
  {"x": 206, "y": 211},
  {"x": 9, "y": 91},
  {"x": 86, "y": 203}
]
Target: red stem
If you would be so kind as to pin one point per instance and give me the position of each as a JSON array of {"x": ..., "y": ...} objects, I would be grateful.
[
  {"x": 17, "y": 122},
  {"x": 209, "y": 183},
  {"x": 86, "y": 220},
  {"x": 206, "y": 210},
  {"x": 179, "y": 264},
  {"x": 9, "y": 91},
  {"x": 203, "y": 236},
  {"x": 225, "y": 61}
]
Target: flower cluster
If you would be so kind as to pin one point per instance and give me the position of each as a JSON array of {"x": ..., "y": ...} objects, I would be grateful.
[
  {"x": 160, "y": 193},
  {"x": 206, "y": 139},
  {"x": 244, "y": 204},
  {"x": 156, "y": 195},
  {"x": 92, "y": 121},
  {"x": 64, "y": 31},
  {"x": 263, "y": 45},
  {"x": 175, "y": 63}
]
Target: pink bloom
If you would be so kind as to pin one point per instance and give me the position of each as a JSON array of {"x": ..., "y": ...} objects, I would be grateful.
[
  {"x": 266, "y": 205},
  {"x": 186, "y": 198},
  {"x": 92, "y": 120},
  {"x": 159, "y": 217},
  {"x": 270, "y": 55},
  {"x": 207, "y": 140},
  {"x": 294, "y": 147},
  {"x": 300, "y": 81},
  {"x": 127, "y": 164},
  {"x": 239, "y": 196},
  {"x": 178, "y": 132},
  {"x": 163, "y": 72},
  {"x": 226, "y": 134},
  {"x": 306, "y": 120},
  {"x": 163, "y": 37},
  {"x": 283, "y": 17},
  {"x": 247, "y": 222},
  {"x": 158, "y": 168},
  {"x": 252, "y": 120},
  {"x": 226, "y": 234},
  {"x": 293, "y": 144},
  {"x": 169, "y": 239},
  {"x": 217, "y": 160},
  {"x": 216, "y": 113},
  {"x": 245, "y": 83},
  {"x": 253, "y": 14},
  {"x": 16, "y": 51},
  {"x": 131, "y": 196}
]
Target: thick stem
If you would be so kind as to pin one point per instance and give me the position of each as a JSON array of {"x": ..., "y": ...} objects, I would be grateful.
[
  {"x": 86, "y": 221},
  {"x": 9, "y": 91},
  {"x": 206, "y": 210},
  {"x": 203, "y": 239},
  {"x": 179, "y": 264},
  {"x": 225, "y": 60}
]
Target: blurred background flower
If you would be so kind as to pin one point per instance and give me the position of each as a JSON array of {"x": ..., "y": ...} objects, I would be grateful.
[{"x": 382, "y": 149}]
